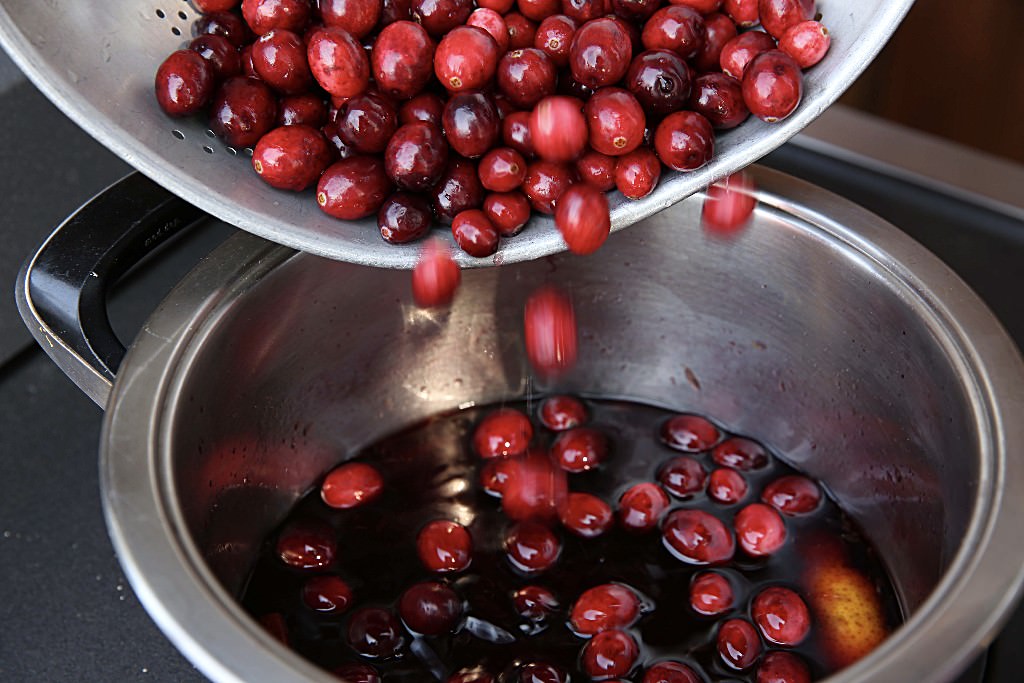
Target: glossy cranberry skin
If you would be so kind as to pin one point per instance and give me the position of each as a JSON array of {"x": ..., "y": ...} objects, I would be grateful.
[
  {"x": 353, "y": 188},
  {"x": 515, "y": 133},
  {"x": 675, "y": 28},
  {"x": 727, "y": 486},
  {"x": 742, "y": 454},
  {"x": 697, "y": 537},
  {"x": 604, "y": 607},
  {"x": 466, "y": 59},
  {"x": 711, "y": 594},
  {"x": 502, "y": 170},
  {"x": 635, "y": 10},
  {"x": 532, "y": 547},
  {"x": 302, "y": 110},
  {"x": 351, "y": 485},
  {"x": 793, "y": 494},
  {"x": 549, "y": 324},
  {"x": 248, "y": 69},
  {"x": 778, "y": 15},
  {"x": 609, "y": 653},
  {"x": 263, "y": 16},
  {"x": 559, "y": 413},
  {"x": 307, "y": 545},
  {"x": 782, "y": 667},
  {"x": 395, "y": 10},
  {"x": 743, "y": 12},
  {"x": 441, "y": 16},
  {"x": 184, "y": 83},
  {"x": 226, "y": 24},
  {"x": 402, "y": 59},
  {"x": 806, "y": 42},
  {"x": 720, "y": 30},
  {"x": 582, "y": 218},
  {"x": 367, "y": 123},
  {"x": 499, "y": 6},
  {"x": 220, "y": 52},
  {"x": 426, "y": 107},
  {"x": 637, "y": 173},
  {"x": 357, "y": 673},
  {"x": 474, "y": 233},
  {"x": 538, "y": 10},
  {"x": 444, "y": 546},
  {"x": 491, "y": 22},
  {"x": 671, "y": 672},
  {"x": 338, "y": 62},
  {"x": 526, "y": 76},
  {"x": 554, "y": 38},
  {"x": 430, "y": 608},
  {"x": 534, "y": 603},
  {"x": 243, "y": 111},
  {"x": 544, "y": 184},
  {"x": 760, "y": 530},
  {"x": 702, "y": 6},
  {"x": 738, "y": 644},
  {"x": 503, "y": 433},
  {"x": 660, "y": 81},
  {"x": 689, "y": 433},
  {"x": 436, "y": 276},
  {"x": 521, "y": 31},
  {"x": 682, "y": 476},
  {"x": 327, "y": 594},
  {"x": 616, "y": 121},
  {"x": 781, "y": 615},
  {"x": 729, "y": 205},
  {"x": 536, "y": 489},
  {"x": 508, "y": 212},
  {"x": 738, "y": 52},
  {"x": 404, "y": 217},
  {"x": 536, "y": 672},
  {"x": 292, "y": 157},
  {"x": 586, "y": 515},
  {"x": 279, "y": 58},
  {"x": 358, "y": 17},
  {"x": 376, "y": 633},
  {"x": 458, "y": 189},
  {"x": 772, "y": 86},
  {"x": 580, "y": 449},
  {"x": 597, "y": 170},
  {"x": 558, "y": 129},
  {"x": 494, "y": 476},
  {"x": 719, "y": 98},
  {"x": 471, "y": 124},
  {"x": 685, "y": 141},
  {"x": 600, "y": 53},
  {"x": 582, "y": 11},
  {"x": 641, "y": 507},
  {"x": 416, "y": 156}
]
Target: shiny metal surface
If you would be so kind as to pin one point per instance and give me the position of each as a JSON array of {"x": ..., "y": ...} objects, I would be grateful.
[
  {"x": 97, "y": 62},
  {"x": 821, "y": 329}
]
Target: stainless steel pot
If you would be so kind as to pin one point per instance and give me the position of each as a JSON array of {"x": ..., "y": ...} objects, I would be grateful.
[{"x": 823, "y": 330}]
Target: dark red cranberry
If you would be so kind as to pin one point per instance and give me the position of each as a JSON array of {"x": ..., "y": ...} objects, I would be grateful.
[
  {"x": 719, "y": 98},
  {"x": 357, "y": 673},
  {"x": 738, "y": 643},
  {"x": 671, "y": 672},
  {"x": 738, "y": 52},
  {"x": 582, "y": 11},
  {"x": 742, "y": 454},
  {"x": 616, "y": 121},
  {"x": 549, "y": 324},
  {"x": 558, "y": 129},
  {"x": 772, "y": 86},
  {"x": 404, "y": 217},
  {"x": 474, "y": 675},
  {"x": 358, "y": 17},
  {"x": 264, "y": 16},
  {"x": 292, "y": 157},
  {"x": 275, "y": 625},
  {"x": 521, "y": 31},
  {"x": 466, "y": 59},
  {"x": 759, "y": 529},
  {"x": 444, "y": 546},
  {"x": 778, "y": 15},
  {"x": 554, "y": 37},
  {"x": 353, "y": 188},
  {"x": 495, "y": 475},
  {"x": 502, "y": 170},
  {"x": 503, "y": 105},
  {"x": 367, "y": 123},
  {"x": 436, "y": 276},
  {"x": 587, "y": 515},
  {"x": 338, "y": 62},
  {"x": 711, "y": 594},
  {"x": 402, "y": 59},
  {"x": 697, "y": 537},
  {"x": 534, "y": 603},
  {"x": 376, "y": 633},
  {"x": 609, "y": 653},
  {"x": 580, "y": 449},
  {"x": 430, "y": 608},
  {"x": 536, "y": 672},
  {"x": 604, "y": 607},
  {"x": 508, "y": 211},
  {"x": 341, "y": 148},
  {"x": 720, "y": 30},
  {"x": 597, "y": 170},
  {"x": 781, "y": 615},
  {"x": 471, "y": 124},
  {"x": 792, "y": 494},
  {"x": 729, "y": 205},
  {"x": 743, "y": 12},
  {"x": 243, "y": 111},
  {"x": 702, "y": 6},
  {"x": 302, "y": 110},
  {"x": 491, "y": 21},
  {"x": 503, "y": 433},
  {"x": 675, "y": 28},
  {"x": 727, "y": 486},
  {"x": 475, "y": 233},
  {"x": 582, "y": 218},
  {"x": 637, "y": 173},
  {"x": 538, "y": 10},
  {"x": 426, "y": 107},
  {"x": 458, "y": 189},
  {"x": 307, "y": 545},
  {"x": 660, "y": 81},
  {"x": 441, "y": 16},
  {"x": 559, "y": 413},
  {"x": 220, "y": 52},
  {"x": 279, "y": 58},
  {"x": 327, "y": 594},
  {"x": 532, "y": 547},
  {"x": 526, "y": 76},
  {"x": 600, "y": 53},
  {"x": 515, "y": 132},
  {"x": 395, "y": 10},
  {"x": 806, "y": 42},
  {"x": 245, "y": 57},
  {"x": 689, "y": 433},
  {"x": 685, "y": 141},
  {"x": 536, "y": 489},
  {"x": 641, "y": 507},
  {"x": 782, "y": 667},
  {"x": 544, "y": 184},
  {"x": 683, "y": 476},
  {"x": 351, "y": 485},
  {"x": 184, "y": 83},
  {"x": 635, "y": 10},
  {"x": 226, "y": 24},
  {"x": 416, "y": 156},
  {"x": 499, "y": 6}
]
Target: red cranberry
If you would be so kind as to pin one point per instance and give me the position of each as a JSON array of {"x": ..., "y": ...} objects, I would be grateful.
[
  {"x": 353, "y": 188},
  {"x": 491, "y": 21},
  {"x": 327, "y": 594},
  {"x": 726, "y": 485},
  {"x": 696, "y": 537},
  {"x": 357, "y": 673},
  {"x": 597, "y": 170},
  {"x": 301, "y": 110},
  {"x": 535, "y": 672},
  {"x": 702, "y": 6},
  {"x": 526, "y": 76},
  {"x": 641, "y": 507},
  {"x": 338, "y": 62},
  {"x": 475, "y": 233},
  {"x": 738, "y": 643},
  {"x": 471, "y": 123},
  {"x": 778, "y": 15},
  {"x": 402, "y": 60},
  {"x": 430, "y": 608},
  {"x": 600, "y": 53},
  {"x": 719, "y": 98},
  {"x": 367, "y": 123},
  {"x": 473, "y": 675},
  {"x": 781, "y": 615},
  {"x": 743, "y": 12},
  {"x": 444, "y": 546},
  {"x": 609, "y": 653},
  {"x": 772, "y": 86},
  {"x": 582, "y": 217},
  {"x": 760, "y": 529},
  {"x": 549, "y": 324},
  {"x": 515, "y": 132},
  {"x": 635, "y": 10},
  {"x": 806, "y": 42},
  {"x": 587, "y": 515},
  {"x": 637, "y": 173},
  {"x": 508, "y": 211},
  {"x": 544, "y": 184},
  {"x": 416, "y": 156},
  {"x": 342, "y": 149},
  {"x": 503, "y": 433},
  {"x": 275, "y": 625},
  {"x": 292, "y": 157},
  {"x": 675, "y": 28},
  {"x": 458, "y": 189},
  {"x": 532, "y": 547},
  {"x": 660, "y": 80},
  {"x": 559, "y": 413},
  {"x": 375, "y": 632},
  {"x": 742, "y": 454},
  {"x": 604, "y": 607},
  {"x": 684, "y": 141},
  {"x": 537, "y": 10},
  {"x": 792, "y": 494},
  {"x": 554, "y": 37},
  {"x": 738, "y": 52},
  {"x": 580, "y": 449},
  {"x": 558, "y": 129},
  {"x": 395, "y": 10},
  {"x": 466, "y": 59},
  {"x": 782, "y": 667},
  {"x": 689, "y": 433},
  {"x": 441, "y": 16},
  {"x": 616, "y": 121},
  {"x": 534, "y": 603},
  {"x": 426, "y": 107},
  {"x": 226, "y": 24},
  {"x": 264, "y": 16},
  {"x": 729, "y": 205},
  {"x": 351, "y": 485},
  {"x": 220, "y": 52},
  {"x": 358, "y": 17},
  {"x": 307, "y": 545},
  {"x": 245, "y": 57},
  {"x": 403, "y": 218},
  {"x": 711, "y": 594},
  {"x": 435, "y": 277},
  {"x": 502, "y": 170},
  {"x": 683, "y": 476},
  {"x": 495, "y": 475},
  {"x": 536, "y": 489},
  {"x": 720, "y": 30},
  {"x": 279, "y": 58},
  {"x": 582, "y": 11},
  {"x": 184, "y": 83},
  {"x": 521, "y": 31},
  {"x": 671, "y": 672},
  {"x": 499, "y": 6}
]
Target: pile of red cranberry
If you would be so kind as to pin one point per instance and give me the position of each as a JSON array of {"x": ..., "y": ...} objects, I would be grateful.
[{"x": 477, "y": 113}]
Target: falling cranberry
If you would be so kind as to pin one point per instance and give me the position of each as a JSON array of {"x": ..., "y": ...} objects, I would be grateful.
[
  {"x": 508, "y": 211},
  {"x": 608, "y": 606},
  {"x": 534, "y": 603},
  {"x": 583, "y": 218},
  {"x": 781, "y": 615},
  {"x": 474, "y": 233},
  {"x": 580, "y": 449},
  {"x": 376, "y": 633},
  {"x": 641, "y": 507},
  {"x": 503, "y": 433},
  {"x": 184, "y": 83},
  {"x": 676, "y": 28},
  {"x": 473, "y": 675},
  {"x": 782, "y": 667},
  {"x": 738, "y": 643},
  {"x": 466, "y": 59},
  {"x": 697, "y": 537},
  {"x": 494, "y": 476},
  {"x": 671, "y": 672},
  {"x": 436, "y": 276},
  {"x": 637, "y": 173},
  {"x": 729, "y": 205},
  {"x": 600, "y": 53},
  {"x": 444, "y": 546},
  {"x": 738, "y": 52},
  {"x": 586, "y": 515},
  {"x": 742, "y": 454},
  {"x": 307, "y": 545},
  {"x": 291, "y": 157},
  {"x": 549, "y": 325},
  {"x": 793, "y": 494},
  {"x": 689, "y": 433},
  {"x": 430, "y": 608},
  {"x": 683, "y": 476},
  {"x": 404, "y": 217},
  {"x": 685, "y": 141},
  {"x": 711, "y": 594},
  {"x": 806, "y": 42},
  {"x": 351, "y": 485},
  {"x": 609, "y": 653},
  {"x": 772, "y": 86},
  {"x": 353, "y": 188},
  {"x": 726, "y": 485},
  {"x": 532, "y": 547},
  {"x": 357, "y": 673},
  {"x": 759, "y": 529},
  {"x": 536, "y": 489},
  {"x": 338, "y": 62},
  {"x": 558, "y": 129},
  {"x": 327, "y": 594}
]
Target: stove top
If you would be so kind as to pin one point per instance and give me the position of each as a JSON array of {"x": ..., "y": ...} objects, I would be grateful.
[{"x": 68, "y": 613}]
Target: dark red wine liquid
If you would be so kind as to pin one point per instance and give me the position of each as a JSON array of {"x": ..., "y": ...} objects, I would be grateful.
[{"x": 431, "y": 472}]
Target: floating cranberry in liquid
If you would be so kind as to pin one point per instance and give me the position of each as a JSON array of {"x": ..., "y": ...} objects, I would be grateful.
[
  {"x": 759, "y": 529},
  {"x": 671, "y": 672},
  {"x": 782, "y": 667},
  {"x": 792, "y": 494},
  {"x": 559, "y": 413},
  {"x": 698, "y": 537},
  {"x": 534, "y": 603},
  {"x": 689, "y": 433},
  {"x": 683, "y": 476},
  {"x": 580, "y": 449},
  {"x": 608, "y": 606},
  {"x": 586, "y": 515},
  {"x": 781, "y": 615},
  {"x": 436, "y": 276},
  {"x": 609, "y": 653},
  {"x": 503, "y": 433},
  {"x": 738, "y": 643},
  {"x": 430, "y": 608},
  {"x": 741, "y": 454},
  {"x": 306, "y": 545},
  {"x": 350, "y": 485},
  {"x": 727, "y": 486},
  {"x": 376, "y": 633},
  {"x": 357, "y": 673},
  {"x": 444, "y": 546},
  {"x": 641, "y": 507},
  {"x": 532, "y": 547},
  {"x": 474, "y": 675},
  {"x": 711, "y": 594}
]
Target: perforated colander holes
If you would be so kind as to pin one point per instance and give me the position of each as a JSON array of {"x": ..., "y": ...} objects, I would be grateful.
[{"x": 182, "y": 16}]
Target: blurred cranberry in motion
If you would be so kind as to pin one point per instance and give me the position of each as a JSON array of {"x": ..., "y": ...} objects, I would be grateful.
[
  {"x": 535, "y": 603},
  {"x": 759, "y": 529},
  {"x": 609, "y": 653},
  {"x": 351, "y": 485},
  {"x": 583, "y": 218},
  {"x": 641, "y": 507},
  {"x": 782, "y": 667},
  {"x": 436, "y": 276},
  {"x": 532, "y": 547},
  {"x": 558, "y": 129},
  {"x": 586, "y": 515},
  {"x": 327, "y": 594},
  {"x": 430, "y": 608},
  {"x": 738, "y": 643},
  {"x": 502, "y": 433},
  {"x": 444, "y": 546},
  {"x": 729, "y": 205},
  {"x": 793, "y": 494},
  {"x": 549, "y": 325},
  {"x": 375, "y": 632},
  {"x": 689, "y": 433},
  {"x": 727, "y": 486},
  {"x": 781, "y": 615},
  {"x": 603, "y": 607},
  {"x": 742, "y": 454},
  {"x": 671, "y": 672},
  {"x": 184, "y": 83},
  {"x": 536, "y": 489},
  {"x": 697, "y": 537},
  {"x": 683, "y": 476},
  {"x": 580, "y": 449},
  {"x": 307, "y": 545},
  {"x": 711, "y": 594},
  {"x": 806, "y": 42}
]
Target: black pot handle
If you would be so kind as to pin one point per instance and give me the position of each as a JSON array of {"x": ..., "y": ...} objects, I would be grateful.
[{"x": 62, "y": 289}]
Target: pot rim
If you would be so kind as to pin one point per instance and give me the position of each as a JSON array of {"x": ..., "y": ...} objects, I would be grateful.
[{"x": 211, "y": 629}]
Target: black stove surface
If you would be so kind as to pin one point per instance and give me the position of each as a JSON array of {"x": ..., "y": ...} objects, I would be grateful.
[{"x": 67, "y": 612}]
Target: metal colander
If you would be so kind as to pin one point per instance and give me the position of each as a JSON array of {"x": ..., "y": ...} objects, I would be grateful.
[{"x": 96, "y": 61}]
